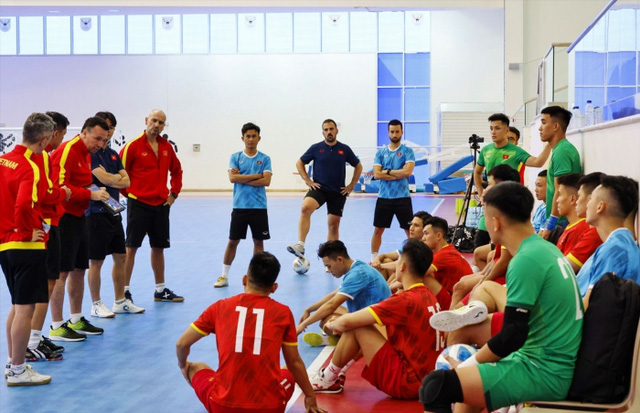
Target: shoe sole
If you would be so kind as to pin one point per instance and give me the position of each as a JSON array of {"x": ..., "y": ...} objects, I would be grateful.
[
  {"x": 175, "y": 300},
  {"x": 39, "y": 383},
  {"x": 318, "y": 340},
  {"x": 129, "y": 312},
  {"x": 103, "y": 316},
  {"x": 329, "y": 391},
  {"x": 59, "y": 338},
  {"x": 38, "y": 359},
  {"x": 216, "y": 285},
  {"x": 450, "y": 320},
  {"x": 295, "y": 252},
  {"x": 90, "y": 333}
]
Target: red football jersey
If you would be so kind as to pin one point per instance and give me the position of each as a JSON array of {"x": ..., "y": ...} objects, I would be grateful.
[
  {"x": 406, "y": 316},
  {"x": 250, "y": 330},
  {"x": 449, "y": 267},
  {"x": 580, "y": 243}
]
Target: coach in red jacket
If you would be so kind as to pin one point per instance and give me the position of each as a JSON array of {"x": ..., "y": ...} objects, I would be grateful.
[{"x": 148, "y": 160}]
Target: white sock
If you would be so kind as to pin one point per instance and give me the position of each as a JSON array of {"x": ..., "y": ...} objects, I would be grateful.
[
  {"x": 331, "y": 372},
  {"x": 19, "y": 369},
  {"x": 126, "y": 288},
  {"x": 475, "y": 269},
  {"x": 34, "y": 339},
  {"x": 346, "y": 366},
  {"x": 225, "y": 270},
  {"x": 97, "y": 302},
  {"x": 160, "y": 287},
  {"x": 373, "y": 256},
  {"x": 8, "y": 360},
  {"x": 301, "y": 243},
  {"x": 120, "y": 301},
  {"x": 56, "y": 324},
  {"x": 75, "y": 317}
]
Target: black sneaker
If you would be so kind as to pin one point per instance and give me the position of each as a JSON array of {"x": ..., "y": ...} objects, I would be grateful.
[
  {"x": 127, "y": 295},
  {"x": 42, "y": 353},
  {"x": 52, "y": 346},
  {"x": 167, "y": 295},
  {"x": 85, "y": 327}
]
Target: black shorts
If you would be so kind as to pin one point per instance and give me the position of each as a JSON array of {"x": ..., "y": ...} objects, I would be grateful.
[
  {"x": 74, "y": 243},
  {"x": 387, "y": 208},
  {"x": 257, "y": 219},
  {"x": 335, "y": 200},
  {"x": 53, "y": 254},
  {"x": 481, "y": 238},
  {"x": 106, "y": 236},
  {"x": 26, "y": 275},
  {"x": 143, "y": 219}
]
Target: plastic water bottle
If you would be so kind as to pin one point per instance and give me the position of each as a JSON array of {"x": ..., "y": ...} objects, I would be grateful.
[
  {"x": 576, "y": 118},
  {"x": 597, "y": 115},
  {"x": 588, "y": 114}
]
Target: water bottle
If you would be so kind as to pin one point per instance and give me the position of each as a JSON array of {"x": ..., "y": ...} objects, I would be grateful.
[
  {"x": 597, "y": 115},
  {"x": 588, "y": 114},
  {"x": 576, "y": 118}
]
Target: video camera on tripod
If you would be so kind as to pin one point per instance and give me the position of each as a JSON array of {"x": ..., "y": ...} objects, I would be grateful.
[{"x": 474, "y": 140}]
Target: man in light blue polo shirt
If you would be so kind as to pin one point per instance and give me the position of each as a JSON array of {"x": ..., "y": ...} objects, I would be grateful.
[
  {"x": 609, "y": 206},
  {"x": 392, "y": 166}
]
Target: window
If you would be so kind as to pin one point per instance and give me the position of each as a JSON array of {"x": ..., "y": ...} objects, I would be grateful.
[
  {"x": 306, "y": 33},
  {"x": 223, "y": 33},
  {"x": 251, "y": 33},
  {"x": 85, "y": 34},
  {"x": 168, "y": 31},
  {"x": 31, "y": 34},
  {"x": 8, "y": 45},
  {"x": 139, "y": 34},
  {"x": 195, "y": 33},
  {"x": 112, "y": 34},
  {"x": 279, "y": 32}
]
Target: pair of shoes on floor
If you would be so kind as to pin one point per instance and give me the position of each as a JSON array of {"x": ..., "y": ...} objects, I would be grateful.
[
  {"x": 321, "y": 385},
  {"x": 473, "y": 313},
  {"x": 317, "y": 339},
  {"x": 42, "y": 353},
  {"x": 78, "y": 331},
  {"x": 29, "y": 377}
]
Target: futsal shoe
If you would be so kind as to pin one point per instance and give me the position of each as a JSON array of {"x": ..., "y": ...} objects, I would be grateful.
[
  {"x": 320, "y": 385},
  {"x": 168, "y": 296},
  {"x": 84, "y": 326},
  {"x": 222, "y": 282},
  {"x": 7, "y": 368},
  {"x": 65, "y": 333},
  {"x": 51, "y": 345},
  {"x": 318, "y": 340},
  {"x": 100, "y": 310},
  {"x": 42, "y": 353},
  {"x": 29, "y": 377},
  {"x": 126, "y": 307},
  {"x": 473, "y": 313},
  {"x": 296, "y": 249}
]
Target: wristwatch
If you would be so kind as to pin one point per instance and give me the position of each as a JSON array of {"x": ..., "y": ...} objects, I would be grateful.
[
  {"x": 174, "y": 195},
  {"x": 388, "y": 171}
]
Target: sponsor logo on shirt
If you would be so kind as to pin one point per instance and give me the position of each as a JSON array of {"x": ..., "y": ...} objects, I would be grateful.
[
  {"x": 505, "y": 156},
  {"x": 340, "y": 152},
  {"x": 113, "y": 157}
]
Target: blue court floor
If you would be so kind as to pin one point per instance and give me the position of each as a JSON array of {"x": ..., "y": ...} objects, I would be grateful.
[{"x": 132, "y": 367}]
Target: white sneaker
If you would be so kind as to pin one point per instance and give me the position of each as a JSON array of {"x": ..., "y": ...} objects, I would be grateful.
[
  {"x": 222, "y": 282},
  {"x": 473, "y": 313},
  {"x": 127, "y": 307},
  {"x": 7, "y": 367},
  {"x": 296, "y": 249},
  {"x": 100, "y": 310},
  {"x": 29, "y": 377},
  {"x": 317, "y": 339}
]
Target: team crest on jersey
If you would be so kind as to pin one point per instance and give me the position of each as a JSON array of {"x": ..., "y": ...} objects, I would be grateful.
[
  {"x": 113, "y": 157},
  {"x": 165, "y": 153},
  {"x": 259, "y": 162},
  {"x": 399, "y": 154},
  {"x": 321, "y": 150},
  {"x": 340, "y": 152},
  {"x": 505, "y": 156},
  {"x": 144, "y": 154}
]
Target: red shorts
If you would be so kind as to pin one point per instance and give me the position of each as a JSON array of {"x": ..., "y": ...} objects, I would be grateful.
[
  {"x": 202, "y": 383},
  {"x": 444, "y": 299},
  {"x": 497, "y": 319},
  {"x": 389, "y": 373}
]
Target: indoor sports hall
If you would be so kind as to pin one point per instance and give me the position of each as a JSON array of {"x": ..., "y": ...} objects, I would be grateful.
[{"x": 441, "y": 67}]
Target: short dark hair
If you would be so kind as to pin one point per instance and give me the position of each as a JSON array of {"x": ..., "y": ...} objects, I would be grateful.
[
  {"x": 423, "y": 215},
  {"x": 512, "y": 199},
  {"x": 504, "y": 173},
  {"x": 36, "y": 125},
  {"x": 558, "y": 114},
  {"x": 438, "y": 223},
  {"x": 333, "y": 250},
  {"x": 330, "y": 121},
  {"x": 394, "y": 122},
  {"x": 589, "y": 182},
  {"x": 250, "y": 126},
  {"x": 624, "y": 192},
  {"x": 570, "y": 181},
  {"x": 95, "y": 121},
  {"x": 418, "y": 257},
  {"x": 263, "y": 269},
  {"x": 542, "y": 173},
  {"x": 516, "y": 131},
  {"x": 107, "y": 115},
  {"x": 60, "y": 120},
  {"x": 500, "y": 117}
]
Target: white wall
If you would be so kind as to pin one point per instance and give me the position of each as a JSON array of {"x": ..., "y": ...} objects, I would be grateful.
[
  {"x": 207, "y": 99},
  {"x": 467, "y": 58}
]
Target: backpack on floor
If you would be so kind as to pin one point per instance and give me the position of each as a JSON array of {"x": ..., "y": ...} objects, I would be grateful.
[
  {"x": 603, "y": 368},
  {"x": 461, "y": 238}
]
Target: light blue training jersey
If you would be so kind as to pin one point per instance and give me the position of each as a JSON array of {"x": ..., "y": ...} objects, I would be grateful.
[
  {"x": 247, "y": 196},
  {"x": 618, "y": 254},
  {"x": 396, "y": 159},
  {"x": 364, "y": 285}
]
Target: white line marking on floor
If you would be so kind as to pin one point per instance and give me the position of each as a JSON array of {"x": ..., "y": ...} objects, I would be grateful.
[
  {"x": 436, "y": 208},
  {"x": 313, "y": 367}
]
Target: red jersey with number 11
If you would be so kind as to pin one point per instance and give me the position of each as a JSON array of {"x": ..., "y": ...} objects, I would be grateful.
[{"x": 250, "y": 330}]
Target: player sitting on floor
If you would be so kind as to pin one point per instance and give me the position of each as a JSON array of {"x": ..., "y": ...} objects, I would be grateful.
[
  {"x": 362, "y": 286},
  {"x": 386, "y": 263},
  {"x": 533, "y": 356},
  {"x": 448, "y": 265},
  {"x": 250, "y": 329},
  {"x": 401, "y": 347}
]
